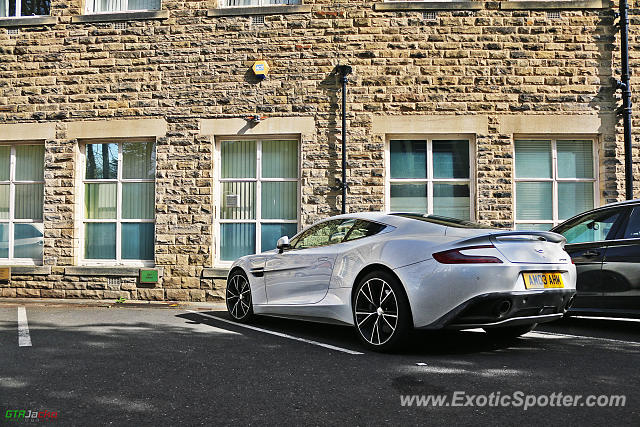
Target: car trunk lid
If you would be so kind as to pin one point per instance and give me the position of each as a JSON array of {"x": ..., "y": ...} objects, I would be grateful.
[{"x": 534, "y": 247}]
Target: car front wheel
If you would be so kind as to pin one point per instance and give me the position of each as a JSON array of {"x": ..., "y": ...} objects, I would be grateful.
[
  {"x": 381, "y": 311},
  {"x": 238, "y": 297}
]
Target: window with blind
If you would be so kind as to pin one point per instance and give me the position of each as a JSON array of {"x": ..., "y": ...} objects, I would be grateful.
[
  {"x": 119, "y": 201},
  {"x": 106, "y": 6},
  {"x": 258, "y": 188},
  {"x": 430, "y": 176},
  {"x": 21, "y": 198},
  {"x": 9, "y": 8},
  {"x": 245, "y": 3},
  {"x": 555, "y": 179}
]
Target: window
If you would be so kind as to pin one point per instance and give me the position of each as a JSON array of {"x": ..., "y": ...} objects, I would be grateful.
[
  {"x": 593, "y": 227},
  {"x": 364, "y": 229},
  {"x": 119, "y": 201},
  {"x": 632, "y": 230},
  {"x": 24, "y": 7},
  {"x": 555, "y": 180},
  {"x": 323, "y": 234},
  {"x": 21, "y": 198},
  {"x": 430, "y": 176},
  {"x": 246, "y": 3},
  {"x": 106, "y": 6},
  {"x": 258, "y": 195}
]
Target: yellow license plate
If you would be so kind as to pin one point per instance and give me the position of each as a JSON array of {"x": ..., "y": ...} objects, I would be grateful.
[{"x": 542, "y": 280}]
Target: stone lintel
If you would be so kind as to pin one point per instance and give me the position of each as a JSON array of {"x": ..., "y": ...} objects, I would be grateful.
[
  {"x": 27, "y": 131},
  {"x": 134, "y": 128}
]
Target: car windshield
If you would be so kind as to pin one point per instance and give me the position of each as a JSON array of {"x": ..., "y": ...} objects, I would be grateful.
[{"x": 443, "y": 220}]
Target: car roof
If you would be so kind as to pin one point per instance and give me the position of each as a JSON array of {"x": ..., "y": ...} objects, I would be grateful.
[
  {"x": 398, "y": 219},
  {"x": 624, "y": 202},
  {"x": 371, "y": 216}
]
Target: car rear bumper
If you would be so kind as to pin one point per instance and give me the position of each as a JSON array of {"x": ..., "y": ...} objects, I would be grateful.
[{"x": 499, "y": 309}]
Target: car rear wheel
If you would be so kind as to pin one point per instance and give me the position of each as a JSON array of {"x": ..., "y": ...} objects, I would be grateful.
[
  {"x": 238, "y": 297},
  {"x": 381, "y": 311},
  {"x": 510, "y": 332}
]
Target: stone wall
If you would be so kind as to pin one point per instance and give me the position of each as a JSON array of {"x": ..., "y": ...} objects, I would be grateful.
[{"x": 189, "y": 66}]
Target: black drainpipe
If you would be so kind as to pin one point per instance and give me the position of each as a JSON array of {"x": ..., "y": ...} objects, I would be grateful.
[
  {"x": 625, "y": 85},
  {"x": 344, "y": 71}
]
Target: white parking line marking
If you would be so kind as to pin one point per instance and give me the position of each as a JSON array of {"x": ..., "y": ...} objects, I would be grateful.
[
  {"x": 24, "y": 339},
  {"x": 541, "y": 334},
  {"x": 278, "y": 334},
  {"x": 619, "y": 319}
]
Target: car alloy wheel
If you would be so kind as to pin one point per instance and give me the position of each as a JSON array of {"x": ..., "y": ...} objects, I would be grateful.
[
  {"x": 381, "y": 312},
  {"x": 238, "y": 297}
]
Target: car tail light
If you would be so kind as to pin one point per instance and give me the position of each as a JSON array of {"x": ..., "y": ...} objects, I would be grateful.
[{"x": 454, "y": 256}]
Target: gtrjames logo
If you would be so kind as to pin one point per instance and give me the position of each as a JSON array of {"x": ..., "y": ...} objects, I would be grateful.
[{"x": 30, "y": 415}]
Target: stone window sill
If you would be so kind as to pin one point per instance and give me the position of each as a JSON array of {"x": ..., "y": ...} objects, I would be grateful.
[
  {"x": 215, "y": 273},
  {"x": 397, "y": 6},
  {"x": 108, "y": 271},
  {"x": 121, "y": 16},
  {"x": 554, "y": 5},
  {"x": 20, "y": 270},
  {"x": 28, "y": 21},
  {"x": 260, "y": 10}
]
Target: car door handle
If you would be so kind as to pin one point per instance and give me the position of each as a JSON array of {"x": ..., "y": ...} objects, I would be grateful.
[{"x": 591, "y": 254}]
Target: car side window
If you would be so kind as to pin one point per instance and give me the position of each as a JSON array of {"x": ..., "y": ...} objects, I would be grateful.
[
  {"x": 594, "y": 227},
  {"x": 364, "y": 229},
  {"x": 326, "y": 233},
  {"x": 632, "y": 230}
]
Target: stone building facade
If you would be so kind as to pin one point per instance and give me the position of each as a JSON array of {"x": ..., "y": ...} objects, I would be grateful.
[{"x": 496, "y": 76}]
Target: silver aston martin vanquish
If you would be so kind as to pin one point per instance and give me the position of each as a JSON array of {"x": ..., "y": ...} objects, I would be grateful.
[{"x": 388, "y": 273}]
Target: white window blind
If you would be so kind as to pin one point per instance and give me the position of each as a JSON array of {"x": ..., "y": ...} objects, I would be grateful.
[
  {"x": 104, "y": 6},
  {"x": 554, "y": 180}
]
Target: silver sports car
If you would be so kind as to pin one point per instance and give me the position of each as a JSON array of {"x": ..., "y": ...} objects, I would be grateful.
[{"x": 388, "y": 273}]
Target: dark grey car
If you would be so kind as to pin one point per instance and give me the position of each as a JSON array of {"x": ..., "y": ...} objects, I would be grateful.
[{"x": 604, "y": 244}]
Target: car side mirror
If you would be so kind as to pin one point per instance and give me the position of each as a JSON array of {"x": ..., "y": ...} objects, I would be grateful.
[{"x": 283, "y": 243}]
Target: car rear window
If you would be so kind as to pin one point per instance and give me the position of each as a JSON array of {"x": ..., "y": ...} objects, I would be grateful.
[{"x": 443, "y": 220}]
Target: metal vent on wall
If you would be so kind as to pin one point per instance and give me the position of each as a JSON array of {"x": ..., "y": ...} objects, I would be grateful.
[
  {"x": 430, "y": 16},
  {"x": 12, "y": 31},
  {"x": 257, "y": 20},
  {"x": 113, "y": 281},
  {"x": 120, "y": 25},
  {"x": 554, "y": 14}
]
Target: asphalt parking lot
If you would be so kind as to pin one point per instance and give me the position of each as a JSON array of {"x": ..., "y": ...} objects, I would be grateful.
[{"x": 144, "y": 366}]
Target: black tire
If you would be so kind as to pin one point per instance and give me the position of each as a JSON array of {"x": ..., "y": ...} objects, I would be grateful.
[
  {"x": 238, "y": 297},
  {"x": 509, "y": 332},
  {"x": 378, "y": 300}
]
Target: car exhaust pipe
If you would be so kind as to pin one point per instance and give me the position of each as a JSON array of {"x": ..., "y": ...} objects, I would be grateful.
[{"x": 503, "y": 308}]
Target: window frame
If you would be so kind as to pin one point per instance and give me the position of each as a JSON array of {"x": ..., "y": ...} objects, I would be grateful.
[
  {"x": 258, "y": 220},
  {"x": 11, "y": 221},
  {"x": 19, "y": 10},
  {"x": 430, "y": 180},
  {"x": 118, "y": 220},
  {"x": 554, "y": 138},
  {"x": 88, "y": 9},
  {"x": 261, "y": 3}
]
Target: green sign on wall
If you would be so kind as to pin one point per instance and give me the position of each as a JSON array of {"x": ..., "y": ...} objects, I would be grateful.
[{"x": 148, "y": 276}]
